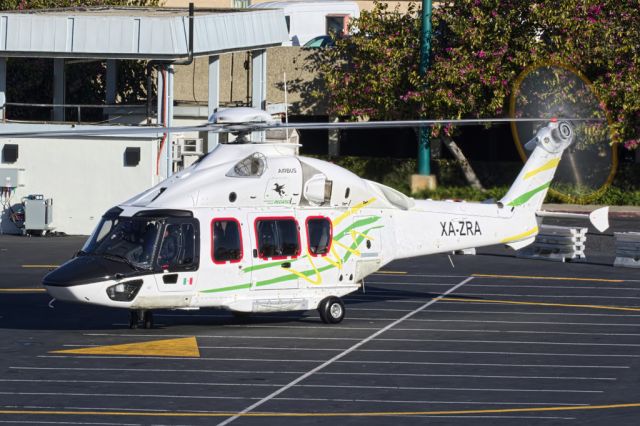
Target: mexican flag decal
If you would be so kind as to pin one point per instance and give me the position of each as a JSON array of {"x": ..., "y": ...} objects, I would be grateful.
[{"x": 186, "y": 281}]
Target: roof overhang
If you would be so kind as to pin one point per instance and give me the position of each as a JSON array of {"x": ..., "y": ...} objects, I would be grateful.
[{"x": 137, "y": 33}]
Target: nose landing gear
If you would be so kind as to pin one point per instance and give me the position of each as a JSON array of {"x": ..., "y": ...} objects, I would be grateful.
[{"x": 140, "y": 319}]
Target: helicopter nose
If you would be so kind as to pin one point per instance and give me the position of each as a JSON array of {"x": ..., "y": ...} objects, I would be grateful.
[{"x": 84, "y": 270}]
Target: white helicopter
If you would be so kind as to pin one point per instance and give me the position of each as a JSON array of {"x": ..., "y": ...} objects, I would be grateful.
[{"x": 254, "y": 227}]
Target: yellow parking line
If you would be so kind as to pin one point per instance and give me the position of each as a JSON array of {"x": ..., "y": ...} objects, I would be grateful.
[
  {"x": 534, "y": 277},
  {"x": 559, "y": 305},
  {"x": 22, "y": 290},
  {"x": 40, "y": 266},
  {"x": 391, "y": 272},
  {"x": 333, "y": 414}
]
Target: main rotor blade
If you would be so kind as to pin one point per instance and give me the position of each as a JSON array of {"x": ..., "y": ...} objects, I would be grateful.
[
  {"x": 110, "y": 131},
  {"x": 411, "y": 123},
  {"x": 158, "y": 131}
]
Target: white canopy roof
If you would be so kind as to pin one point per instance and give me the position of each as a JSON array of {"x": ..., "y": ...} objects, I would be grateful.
[{"x": 136, "y": 33}]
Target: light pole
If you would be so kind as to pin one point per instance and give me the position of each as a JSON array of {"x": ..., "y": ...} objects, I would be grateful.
[{"x": 424, "y": 148}]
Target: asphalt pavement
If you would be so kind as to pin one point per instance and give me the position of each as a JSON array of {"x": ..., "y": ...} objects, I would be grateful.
[{"x": 489, "y": 339}]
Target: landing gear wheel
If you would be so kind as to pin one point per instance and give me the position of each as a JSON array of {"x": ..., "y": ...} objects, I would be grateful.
[
  {"x": 331, "y": 310},
  {"x": 133, "y": 319},
  {"x": 147, "y": 319},
  {"x": 143, "y": 319}
]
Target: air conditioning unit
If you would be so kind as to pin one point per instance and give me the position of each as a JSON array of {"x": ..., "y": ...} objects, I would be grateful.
[
  {"x": 186, "y": 147},
  {"x": 192, "y": 146},
  {"x": 186, "y": 151}
]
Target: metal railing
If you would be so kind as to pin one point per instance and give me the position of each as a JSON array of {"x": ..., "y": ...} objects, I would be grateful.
[{"x": 77, "y": 107}]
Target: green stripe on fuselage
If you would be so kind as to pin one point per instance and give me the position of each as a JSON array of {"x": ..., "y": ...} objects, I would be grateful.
[
  {"x": 268, "y": 265},
  {"x": 356, "y": 224},
  {"x": 230, "y": 288}
]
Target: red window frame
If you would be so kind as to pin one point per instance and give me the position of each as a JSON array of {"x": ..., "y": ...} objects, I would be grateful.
[
  {"x": 306, "y": 223},
  {"x": 255, "y": 228},
  {"x": 224, "y": 262}
]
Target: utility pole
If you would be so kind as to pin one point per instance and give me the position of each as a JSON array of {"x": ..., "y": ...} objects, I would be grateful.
[{"x": 424, "y": 179}]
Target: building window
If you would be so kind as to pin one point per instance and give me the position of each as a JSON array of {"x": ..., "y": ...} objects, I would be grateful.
[
  {"x": 337, "y": 25},
  {"x": 277, "y": 238},
  {"x": 226, "y": 243},
  {"x": 319, "y": 235}
]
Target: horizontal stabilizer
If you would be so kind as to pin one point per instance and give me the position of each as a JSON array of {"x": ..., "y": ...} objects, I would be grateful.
[
  {"x": 599, "y": 218},
  {"x": 517, "y": 245}
]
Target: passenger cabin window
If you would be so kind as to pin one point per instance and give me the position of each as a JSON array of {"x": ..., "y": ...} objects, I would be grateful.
[
  {"x": 178, "y": 247},
  {"x": 226, "y": 245},
  {"x": 277, "y": 238},
  {"x": 319, "y": 235}
]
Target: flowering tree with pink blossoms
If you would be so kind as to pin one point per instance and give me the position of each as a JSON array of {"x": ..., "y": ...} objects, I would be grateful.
[{"x": 479, "y": 47}]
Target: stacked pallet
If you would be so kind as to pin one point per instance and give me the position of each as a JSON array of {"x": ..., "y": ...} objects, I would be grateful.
[
  {"x": 627, "y": 249},
  {"x": 559, "y": 243}
]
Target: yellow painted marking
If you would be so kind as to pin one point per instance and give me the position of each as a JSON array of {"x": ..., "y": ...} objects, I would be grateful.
[
  {"x": 22, "y": 290},
  {"x": 535, "y": 277},
  {"x": 352, "y": 210},
  {"x": 558, "y": 305},
  {"x": 331, "y": 414},
  {"x": 40, "y": 266},
  {"x": 391, "y": 272},
  {"x": 353, "y": 251},
  {"x": 183, "y": 347},
  {"x": 549, "y": 165},
  {"x": 520, "y": 236},
  {"x": 356, "y": 233},
  {"x": 337, "y": 262},
  {"x": 318, "y": 279}
]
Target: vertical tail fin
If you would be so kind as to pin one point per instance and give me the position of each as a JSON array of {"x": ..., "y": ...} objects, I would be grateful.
[{"x": 531, "y": 186}]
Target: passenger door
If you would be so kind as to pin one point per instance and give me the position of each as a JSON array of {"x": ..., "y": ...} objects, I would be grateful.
[
  {"x": 275, "y": 250},
  {"x": 322, "y": 265}
]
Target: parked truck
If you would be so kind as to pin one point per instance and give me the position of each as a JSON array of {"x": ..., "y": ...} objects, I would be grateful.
[{"x": 307, "y": 20}]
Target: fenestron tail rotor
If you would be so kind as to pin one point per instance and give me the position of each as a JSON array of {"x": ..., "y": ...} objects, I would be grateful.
[{"x": 550, "y": 90}]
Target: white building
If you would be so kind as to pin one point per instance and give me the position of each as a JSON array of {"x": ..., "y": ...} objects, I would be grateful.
[{"x": 86, "y": 175}]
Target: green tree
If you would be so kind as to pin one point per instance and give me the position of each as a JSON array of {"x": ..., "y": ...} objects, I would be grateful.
[{"x": 479, "y": 47}]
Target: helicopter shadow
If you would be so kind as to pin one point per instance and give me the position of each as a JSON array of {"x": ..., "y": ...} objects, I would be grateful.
[{"x": 31, "y": 311}]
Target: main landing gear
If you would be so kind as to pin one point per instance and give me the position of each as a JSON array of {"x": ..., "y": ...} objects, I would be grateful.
[
  {"x": 140, "y": 319},
  {"x": 331, "y": 310}
]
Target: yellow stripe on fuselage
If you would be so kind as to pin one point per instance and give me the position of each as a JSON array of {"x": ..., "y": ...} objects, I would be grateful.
[
  {"x": 351, "y": 211},
  {"x": 520, "y": 236},
  {"x": 549, "y": 165}
]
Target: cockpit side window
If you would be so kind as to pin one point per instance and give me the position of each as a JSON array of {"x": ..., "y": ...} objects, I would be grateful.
[
  {"x": 178, "y": 247},
  {"x": 226, "y": 244}
]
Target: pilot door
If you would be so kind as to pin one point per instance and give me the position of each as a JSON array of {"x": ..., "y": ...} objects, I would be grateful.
[
  {"x": 177, "y": 259},
  {"x": 275, "y": 251}
]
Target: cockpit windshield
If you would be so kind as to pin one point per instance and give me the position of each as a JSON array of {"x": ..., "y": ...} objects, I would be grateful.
[
  {"x": 165, "y": 240},
  {"x": 131, "y": 239}
]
